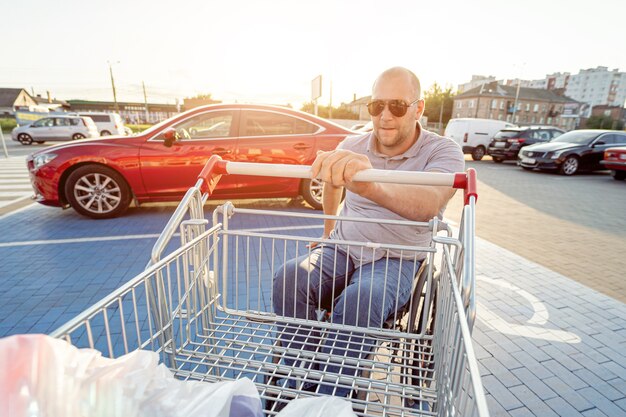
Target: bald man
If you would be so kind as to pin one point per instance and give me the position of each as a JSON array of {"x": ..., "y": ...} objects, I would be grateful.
[{"x": 368, "y": 286}]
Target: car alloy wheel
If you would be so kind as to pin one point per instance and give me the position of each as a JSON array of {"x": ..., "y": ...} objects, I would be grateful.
[
  {"x": 105, "y": 133},
  {"x": 25, "y": 139},
  {"x": 569, "y": 166},
  {"x": 312, "y": 191},
  {"x": 78, "y": 136},
  {"x": 478, "y": 153},
  {"x": 97, "y": 191}
]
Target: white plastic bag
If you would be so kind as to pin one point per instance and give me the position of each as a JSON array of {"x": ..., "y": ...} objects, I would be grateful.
[
  {"x": 42, "y": 376},
  {"x": 318, "y": 407}
]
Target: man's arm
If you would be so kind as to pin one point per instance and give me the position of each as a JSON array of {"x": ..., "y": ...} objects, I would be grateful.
[
  {"x": 331, "y": 200},
  {"x": 413, "y": 202}
]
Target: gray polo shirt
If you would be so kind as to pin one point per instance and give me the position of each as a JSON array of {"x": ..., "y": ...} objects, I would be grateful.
[{"x": 430, "y": 153}]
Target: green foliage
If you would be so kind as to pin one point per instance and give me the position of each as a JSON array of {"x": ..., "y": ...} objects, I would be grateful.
[
  {"x": 203, "y": 97},
  {"x": 138, "y": 128},
  {"x": 434, "y": 98},
  {"x": 340, "y": 112},
  {"x": 7, "y": 125},
  {"x": 604, "y": 122}
]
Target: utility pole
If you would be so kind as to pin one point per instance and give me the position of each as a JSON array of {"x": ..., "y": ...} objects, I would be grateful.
[
  {"x": 519, "y": 81},
  {"x": 330, "y": 104},
  {"x": 478, "y": 100},
  {"x": 441, "y": 117},
  {"x": 117, "y": 109},
  {"x": 145, "y": 100}
]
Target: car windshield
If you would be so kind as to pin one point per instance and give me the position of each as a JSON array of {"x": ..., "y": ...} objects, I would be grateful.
[
  {"x": 505, "y": 134},
  {"x": 580, "y": 138}
]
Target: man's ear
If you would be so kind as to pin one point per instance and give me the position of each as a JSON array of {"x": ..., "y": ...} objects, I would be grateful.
[{"x": 419, "y": 109}]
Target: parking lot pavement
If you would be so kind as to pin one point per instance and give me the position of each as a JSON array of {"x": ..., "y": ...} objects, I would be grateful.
[
  {"x": 546, "y": 344},
  {"x": 572, "y": 225}
]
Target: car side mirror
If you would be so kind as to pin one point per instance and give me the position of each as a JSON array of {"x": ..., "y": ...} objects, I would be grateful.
[
  {"x": 170, "y": 137},
  {"x": 600, "y": 142}
]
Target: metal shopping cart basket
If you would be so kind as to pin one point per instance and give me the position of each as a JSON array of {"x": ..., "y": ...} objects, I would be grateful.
[{"x": 206, "y": 307}]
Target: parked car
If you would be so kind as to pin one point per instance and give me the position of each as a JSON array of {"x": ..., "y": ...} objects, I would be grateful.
[
  {"x": 507, "y": 143},
  {"x": 99, "y": 178},
  {"x": 571, "y": 152},
  {"x": 108, "y": 123},
  {"x": 474, "y": 135},
  {"x": 55, "y": 128},
  {"x": 615, "y": 160}
]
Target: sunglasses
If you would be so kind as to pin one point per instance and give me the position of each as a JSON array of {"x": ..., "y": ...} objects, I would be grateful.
[{"x": 397, "y": 107}]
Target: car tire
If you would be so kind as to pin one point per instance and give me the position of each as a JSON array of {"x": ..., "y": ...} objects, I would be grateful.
[
  {"x": 311, "y": 191},
  {"x": 478, "y": 153},
  {"x": 569, "y": 166},
  {"x": 97, "y": 191},
  {"x": 497, "y": 160},
  {"x": 39, "y": 142},
  {"x": 78, "y": 136},
  {"x": 527, "y": 168},
  {"x": 25, "y": 139},
  {"x": 618, "y": 175},
  {"x": 105, "y": 133}
]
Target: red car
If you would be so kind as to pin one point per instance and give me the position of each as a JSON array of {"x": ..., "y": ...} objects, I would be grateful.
[
  {"x": 615, "y": 160},
  {"x": 99, "y": 178}
]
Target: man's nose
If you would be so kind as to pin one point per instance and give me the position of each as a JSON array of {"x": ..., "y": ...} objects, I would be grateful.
[{"x": 386, "y": 113}]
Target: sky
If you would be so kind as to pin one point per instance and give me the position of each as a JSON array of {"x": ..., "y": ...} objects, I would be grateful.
[{"x": 270, "y": 51}]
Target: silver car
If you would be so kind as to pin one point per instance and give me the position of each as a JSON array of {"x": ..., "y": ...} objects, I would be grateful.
[{"x": 56, "y": 128}]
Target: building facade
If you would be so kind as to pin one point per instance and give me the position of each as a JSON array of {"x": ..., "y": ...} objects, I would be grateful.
[
  {"x": 598, "y": 86},
  {"x": 534, "y": 106},
  {"x": 12, "y": 99}
]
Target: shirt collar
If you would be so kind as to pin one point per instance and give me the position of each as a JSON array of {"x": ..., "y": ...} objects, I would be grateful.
[{"x": 409, "y": 153}]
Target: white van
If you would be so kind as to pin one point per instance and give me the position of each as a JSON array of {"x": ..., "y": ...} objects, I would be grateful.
[
  {"x": 474, "y": 135},
  {"x": 108, "y": 123}
]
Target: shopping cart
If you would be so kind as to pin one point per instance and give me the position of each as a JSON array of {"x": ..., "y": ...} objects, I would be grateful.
[{"x": 206, "y": 307}]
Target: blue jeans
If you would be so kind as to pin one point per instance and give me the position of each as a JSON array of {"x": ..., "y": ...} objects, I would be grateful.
[{"x": 362, "y": 295}]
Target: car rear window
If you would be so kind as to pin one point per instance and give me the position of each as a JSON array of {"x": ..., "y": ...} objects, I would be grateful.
[
  {"x": 100, "y": 118},
  {"x": 505, "y": 134},
  {"x": 88, "y": 121}
]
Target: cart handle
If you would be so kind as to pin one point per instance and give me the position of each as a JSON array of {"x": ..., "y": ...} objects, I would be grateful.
[{"x": 216, "y": 167}]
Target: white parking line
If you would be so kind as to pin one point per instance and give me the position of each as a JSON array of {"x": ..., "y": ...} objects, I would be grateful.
[
  {"x": 130, "y": 237},
  {"x": 78, "y": 240}
]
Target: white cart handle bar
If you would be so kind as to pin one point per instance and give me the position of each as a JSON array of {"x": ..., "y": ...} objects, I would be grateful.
[{"x": 216, "y": 167}]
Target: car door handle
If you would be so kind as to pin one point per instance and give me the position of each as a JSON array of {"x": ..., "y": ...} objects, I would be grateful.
[
  {"x": 302, "y": 146},
  {"x": 221, "y": 151}
]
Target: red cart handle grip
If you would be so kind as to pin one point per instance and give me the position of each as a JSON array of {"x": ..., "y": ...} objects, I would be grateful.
[
  {"x": 210, "y": 175},
  {"x": 467, "y": 181}
]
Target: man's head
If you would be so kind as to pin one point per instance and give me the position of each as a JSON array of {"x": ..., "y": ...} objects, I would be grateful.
[{"x": 395, "y": 108}]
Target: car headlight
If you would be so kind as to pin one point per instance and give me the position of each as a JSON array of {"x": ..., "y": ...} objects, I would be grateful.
[{"x": 43, "y": 159}]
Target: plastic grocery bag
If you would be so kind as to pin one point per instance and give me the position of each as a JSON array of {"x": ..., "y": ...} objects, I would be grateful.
[
  {"x": 318, "y": 407},
  {"x": 47, "y": 377}
]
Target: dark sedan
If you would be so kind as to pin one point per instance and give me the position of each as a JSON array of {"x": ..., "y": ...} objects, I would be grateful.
[
  {"x": 571, "y": 152},
  {"x": 99, "y": 178}
]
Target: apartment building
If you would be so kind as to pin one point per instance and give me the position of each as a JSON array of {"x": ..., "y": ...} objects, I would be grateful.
[
  {"x": 534, "y": 106},
  {"x": 598, "y": 86},
  {"x": 477, "y": 81}
]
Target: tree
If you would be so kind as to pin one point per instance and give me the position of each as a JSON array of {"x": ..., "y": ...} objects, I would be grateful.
[
  {"x": 203, "y": 97},
  {"x": 434, "y": 98},
  {"x": 604, "y": 122},
  {"x": 340, "y": 112}
]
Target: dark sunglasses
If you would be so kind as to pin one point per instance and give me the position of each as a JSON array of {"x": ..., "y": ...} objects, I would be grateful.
[{"x": 397, "y": 107}]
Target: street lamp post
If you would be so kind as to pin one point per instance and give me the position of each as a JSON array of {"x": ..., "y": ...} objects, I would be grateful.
[{"x": 117, "y": 109}]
